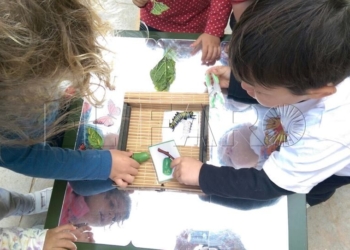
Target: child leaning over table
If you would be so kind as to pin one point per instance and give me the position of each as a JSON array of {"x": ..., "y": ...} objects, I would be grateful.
[
  {"x": 208, "y": 17},
  {"x": 47, "y": 48},
  {"x": 291, "y": 52}
]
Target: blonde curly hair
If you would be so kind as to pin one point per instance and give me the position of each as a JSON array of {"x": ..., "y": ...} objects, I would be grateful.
[{"x": 46, "y": 46}]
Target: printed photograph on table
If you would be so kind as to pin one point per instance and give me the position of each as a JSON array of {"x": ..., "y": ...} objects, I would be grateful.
[
  {"x": 99, "y": 127},
  {"x": 162, "y": 155},
  {"x": 182, "y": 126}
]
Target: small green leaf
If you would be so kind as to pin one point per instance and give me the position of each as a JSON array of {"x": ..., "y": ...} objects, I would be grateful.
[
  {"x": 94, "y": 138},
  {"x": 163, "y": 74},
  {"x": 159, "y": 8}
]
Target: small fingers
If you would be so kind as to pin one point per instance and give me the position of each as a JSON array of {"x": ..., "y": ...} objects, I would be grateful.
[
  {"x": 66, "y": 244},
  {"x": 212, "y": 56},
  {"x": 66, "y": 235},
  {"x": 132, "y": 171},
  {"x": 128, "y": 179},
  {"x": 134, "y": 164},
  {"x": 127, "y": 153},
  {"x": 121, "y": 183},
  {"x": 196, "y": 46},
  {"x": 205, "y": 53},
  {"x": 85, "y": 228},
  {"x": 175, "y": 162},
  {"x": 67, "y": 227}
]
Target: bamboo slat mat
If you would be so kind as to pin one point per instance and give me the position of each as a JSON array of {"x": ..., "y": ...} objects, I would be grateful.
[{"x": 145, "y": 129}]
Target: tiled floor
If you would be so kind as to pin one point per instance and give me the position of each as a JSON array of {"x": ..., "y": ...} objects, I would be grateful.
[{"x": 328, "y": 223}]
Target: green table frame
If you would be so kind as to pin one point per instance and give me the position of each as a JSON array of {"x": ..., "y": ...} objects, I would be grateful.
[{"x": 297, "y": 221}]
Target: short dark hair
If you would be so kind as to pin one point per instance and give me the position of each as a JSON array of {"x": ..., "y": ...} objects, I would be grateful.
[{"x": 295, "y": 44}]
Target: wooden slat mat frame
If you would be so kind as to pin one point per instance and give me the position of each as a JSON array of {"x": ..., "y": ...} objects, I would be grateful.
[{"x": 141, "y": 127}]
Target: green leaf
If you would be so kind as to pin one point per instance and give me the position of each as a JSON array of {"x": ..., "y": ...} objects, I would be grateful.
[
  {"x": 94, "y": 138},
  {"x": 163, "y": 74},
  {"x": 159, "y": 8}
]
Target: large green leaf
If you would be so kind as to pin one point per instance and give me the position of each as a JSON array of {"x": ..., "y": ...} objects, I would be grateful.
[
  {"x": 163, "y": 74},
  {"x": 94, "y": 138},
  {"x": 159, "y": 8}
]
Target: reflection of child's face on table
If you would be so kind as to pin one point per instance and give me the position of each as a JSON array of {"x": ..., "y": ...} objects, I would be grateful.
[
  {"x": 235, "y": 150},
  {"x": 104, "y": 210}
]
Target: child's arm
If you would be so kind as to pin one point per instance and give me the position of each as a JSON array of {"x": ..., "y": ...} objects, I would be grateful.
[
  {"x": 227, "y": 182},
  {"x": 210, "y": 40},
  {"x": 43, "y": 161}
]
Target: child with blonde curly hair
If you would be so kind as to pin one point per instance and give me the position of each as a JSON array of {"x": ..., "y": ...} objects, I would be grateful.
[{"x": 49, "y": 56}]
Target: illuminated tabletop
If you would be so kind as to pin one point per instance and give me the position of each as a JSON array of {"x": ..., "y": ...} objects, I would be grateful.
[{"x": 159, "y": 219}]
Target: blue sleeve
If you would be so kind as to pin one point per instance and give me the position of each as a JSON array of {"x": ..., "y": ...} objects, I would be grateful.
[{"x": 43, "y": 161}]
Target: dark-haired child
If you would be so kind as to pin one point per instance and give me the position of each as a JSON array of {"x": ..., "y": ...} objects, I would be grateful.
[{"x": 293, "y": 54}]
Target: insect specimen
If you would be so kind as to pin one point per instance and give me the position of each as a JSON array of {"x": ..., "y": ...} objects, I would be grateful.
[
  {"x": 179, "y": 116},
  {"x": 166, "y": 169},
  {"x": 187, "y": 127},
  {"x": 140, "y": 157},
  {"x": 113, "y": 112},
  {"x": 166, "y": 166}
]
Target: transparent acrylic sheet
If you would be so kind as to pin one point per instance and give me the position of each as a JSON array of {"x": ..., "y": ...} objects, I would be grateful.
[
  {"x": 158, "y": 218},
  {"x": 141, "y": 57},
  {"x": 173, "y": 220}
]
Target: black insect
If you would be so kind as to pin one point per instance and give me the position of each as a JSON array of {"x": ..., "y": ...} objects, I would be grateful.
[{"x": 179, "y": 116}]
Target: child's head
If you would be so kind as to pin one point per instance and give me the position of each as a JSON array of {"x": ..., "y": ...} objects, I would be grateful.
[
  {"x": 288, "y": 51},
  {"x": 45, "y": 46},
  {"x": 110, "y": 207}
]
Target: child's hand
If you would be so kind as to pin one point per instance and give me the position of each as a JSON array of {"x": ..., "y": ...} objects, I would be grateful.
[
  {"x": 140, "y": 3},
  {"x": 186, "y": 170},
  {"x": 60, "y": 238},
  {"x": 84, "y": 234},
  {"x": 210, "y": 48},
  {"x": 124, "y": 168},
  {"x": 223, "y": 73}
]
